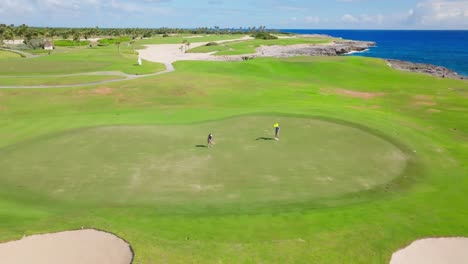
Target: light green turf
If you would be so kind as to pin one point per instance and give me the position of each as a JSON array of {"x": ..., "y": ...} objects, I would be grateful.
[
  {"x": 4, "y": 55},
  {"x": 422, "y": 115},
  {"x": 171, "y": 165},
  {"x": 250, "y": 46},
  {"x": 80, "y": 59},
  {"x": 56, "y": 80}
]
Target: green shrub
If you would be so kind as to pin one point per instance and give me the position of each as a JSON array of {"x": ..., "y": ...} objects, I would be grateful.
[
  {"x": 109, "y": 41},
  {"x": 212, "y": 44},
  {"x": 165, "y": 35},
  {"x": 264, "y": 35}
]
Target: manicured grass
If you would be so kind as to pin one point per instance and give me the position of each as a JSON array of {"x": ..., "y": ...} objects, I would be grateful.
[
  {"x": 250, "y": 46},
  {"x": 4, "y": 55},
  {"x": 421, "y": 115},
  {"x": 56, "y": 80},
  {"x": 75, "y": 60}
]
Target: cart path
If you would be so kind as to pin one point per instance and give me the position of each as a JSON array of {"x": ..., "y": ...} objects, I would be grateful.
[
  {"x": 162, "y": 53},
  {"x": 169, "y": 68}
]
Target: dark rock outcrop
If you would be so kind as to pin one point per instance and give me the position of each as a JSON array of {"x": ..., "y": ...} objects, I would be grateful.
[{"x": 429, "y": 69}]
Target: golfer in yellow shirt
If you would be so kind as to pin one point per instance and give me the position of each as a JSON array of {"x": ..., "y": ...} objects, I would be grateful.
[{"x": 277, "y": 130}]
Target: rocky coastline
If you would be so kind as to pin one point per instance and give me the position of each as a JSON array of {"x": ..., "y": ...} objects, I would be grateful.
[
  {"x": 343, "y": 47},
  {"x": 428, "y": 69},
  {"x": 334, "y": 48}
]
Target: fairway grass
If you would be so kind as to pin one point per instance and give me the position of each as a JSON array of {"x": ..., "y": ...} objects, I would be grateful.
[{"x": 365, "y": 107}]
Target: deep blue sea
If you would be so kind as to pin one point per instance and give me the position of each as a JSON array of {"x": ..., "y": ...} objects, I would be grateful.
[{"x": 448, "y": 48}]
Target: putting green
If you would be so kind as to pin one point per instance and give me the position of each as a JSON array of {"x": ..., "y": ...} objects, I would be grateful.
[{"x": 170, "y": 166}]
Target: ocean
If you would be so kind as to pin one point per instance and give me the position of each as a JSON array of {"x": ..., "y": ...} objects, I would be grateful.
[{"x": 448, "y": 48}]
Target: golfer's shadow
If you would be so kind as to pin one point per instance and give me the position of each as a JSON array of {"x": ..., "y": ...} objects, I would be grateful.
[
  {"x": 264, "y": 138},
  {"x": 201, "y": 146}
]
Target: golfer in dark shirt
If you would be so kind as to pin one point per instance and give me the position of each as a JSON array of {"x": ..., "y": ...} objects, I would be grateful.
[{"x": 210, "y": 140}]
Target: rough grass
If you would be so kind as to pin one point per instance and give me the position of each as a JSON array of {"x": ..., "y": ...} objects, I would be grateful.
[
  {"x": 429, "y": 201},
  {"x": 178, "y": 39},
  {"x": 4, "y": 55},
  {"x": 70, "y": 43},
  {"x": 56, "y": 80},
  {"x": 207, "y": 49}
]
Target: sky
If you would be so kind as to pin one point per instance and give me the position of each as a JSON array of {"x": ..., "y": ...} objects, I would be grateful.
[{"x": 274, "y": 14}]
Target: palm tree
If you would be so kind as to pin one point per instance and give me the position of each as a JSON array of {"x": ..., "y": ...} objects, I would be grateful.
[
  {"x": 76, "y": 36},
  {"x": 86, "y": 33},
  {"x": 22, "y": 30},
  {"x": 53, "y": 33},
  {"x": 118, "y": 46},
  {"x": 65, "y": 34},
  {"x": 9, "y": 34}
]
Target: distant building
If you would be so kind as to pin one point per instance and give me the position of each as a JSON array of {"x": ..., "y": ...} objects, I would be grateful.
[{"x": 48, "y": 45}]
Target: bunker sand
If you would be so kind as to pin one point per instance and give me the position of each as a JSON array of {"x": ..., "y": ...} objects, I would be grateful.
[
  {"x": 433, "y": 250},
  {"x": 86, "y": 246}
]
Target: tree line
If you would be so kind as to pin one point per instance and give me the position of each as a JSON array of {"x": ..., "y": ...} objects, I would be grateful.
[{"x": 27, "y": 33}]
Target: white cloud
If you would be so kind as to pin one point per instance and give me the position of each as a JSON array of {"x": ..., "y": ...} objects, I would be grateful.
[
  {"x": 312, "y": 20},
  {"x": 440, "y": 14},
  {"x": 15, "y": 7},
  {"x": 129, "y": 7},
  {"x": 372, "y": 19},
  {"x": 349, "y": 19}
]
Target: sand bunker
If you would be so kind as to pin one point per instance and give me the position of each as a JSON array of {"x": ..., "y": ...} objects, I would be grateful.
[
  {"x": 169, "y": 53},
  {"x": 434, "y": 251},
  {"x": 87, "y": 246}
]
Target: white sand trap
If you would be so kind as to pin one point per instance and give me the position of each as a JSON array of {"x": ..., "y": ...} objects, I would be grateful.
[
  {"x": 87, "y": 246},
  {"x": 169, "y": 53},
  {"x": 433, "y": 251}
]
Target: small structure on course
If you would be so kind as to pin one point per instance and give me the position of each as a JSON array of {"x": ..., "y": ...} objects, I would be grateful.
[{"x": 48, "y": 45}]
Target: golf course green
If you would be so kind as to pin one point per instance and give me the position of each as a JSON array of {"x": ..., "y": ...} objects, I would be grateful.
[
  {"x": 170, "y": 166},
  {"x": 369, "y": 158}
]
